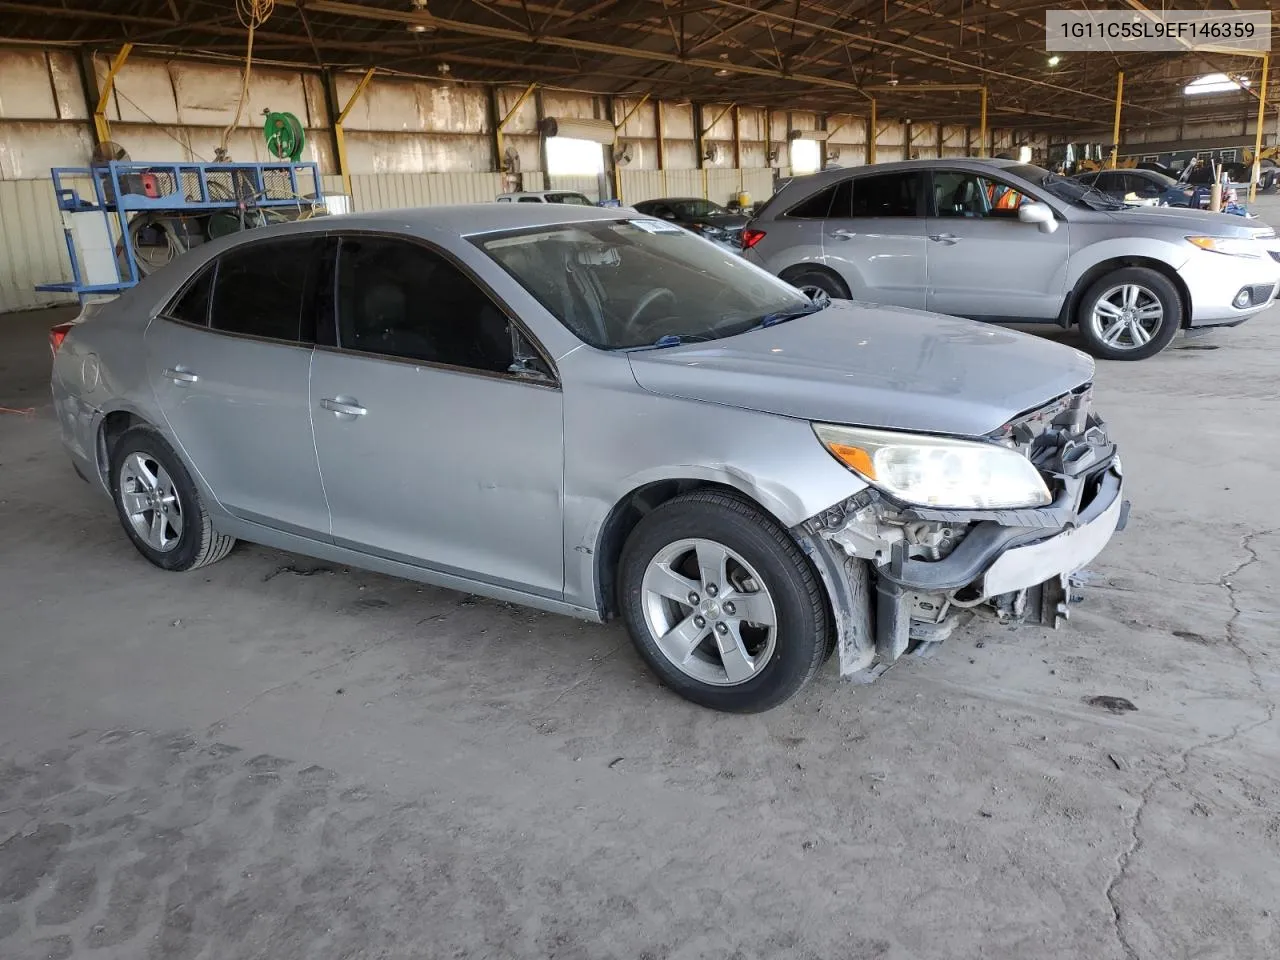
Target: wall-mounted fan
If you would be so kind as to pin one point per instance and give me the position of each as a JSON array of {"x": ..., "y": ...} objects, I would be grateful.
[
  {"x": 622, "y": 154},
  {"x": 712, "y": 154},
  {"x": 511, "y": 160},
  {"x": 108, "y": 151}
]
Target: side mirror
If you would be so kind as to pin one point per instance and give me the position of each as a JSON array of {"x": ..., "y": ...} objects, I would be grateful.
[{"x": 1041, "y": 214}]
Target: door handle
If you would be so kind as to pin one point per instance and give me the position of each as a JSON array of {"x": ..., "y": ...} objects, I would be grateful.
[
  {"x": 843, "y": 234},
  {"x": 343, "y": 408},
  {"x": 948, "y": 238},
  {"x": 180, "y": 376}
]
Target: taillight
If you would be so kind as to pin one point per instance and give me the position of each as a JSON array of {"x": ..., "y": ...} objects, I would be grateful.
[
  {"x": 751, "y": 237},
  {"x": 57, "y": 334}
]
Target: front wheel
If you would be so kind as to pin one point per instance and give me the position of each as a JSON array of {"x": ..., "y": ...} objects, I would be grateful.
[
  {"x": 721, "y": 603},
  {"x": 1130, "y": 314}
]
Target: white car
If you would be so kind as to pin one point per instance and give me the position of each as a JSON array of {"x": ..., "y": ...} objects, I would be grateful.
[{"x": 547, "y": 196}]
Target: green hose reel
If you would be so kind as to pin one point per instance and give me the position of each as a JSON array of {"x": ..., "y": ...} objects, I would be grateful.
[{"x": 284, "y": 135}]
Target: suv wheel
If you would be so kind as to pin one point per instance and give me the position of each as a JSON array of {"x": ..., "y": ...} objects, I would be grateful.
[
  {"x": 1130, "y": 314},
  {"x": 721, "y": 603},
  {"x": 814, "y": 284}
]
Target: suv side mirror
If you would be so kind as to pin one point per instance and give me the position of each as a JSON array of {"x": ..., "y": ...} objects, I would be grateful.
[{"x": 1041, "y": 214}]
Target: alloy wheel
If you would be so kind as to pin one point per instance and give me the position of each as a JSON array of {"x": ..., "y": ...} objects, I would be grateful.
[
  {"x": 709, "y": 612},
  {"x": 150, "y": 501},
  {"x": 1127, "y": 316}
]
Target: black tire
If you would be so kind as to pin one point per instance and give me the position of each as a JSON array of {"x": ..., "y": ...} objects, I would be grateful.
[
  {"x": 1155, "y": 285},
  {"x": 801, "y": 636},
  {"x": 198, "y": 544},
  {"x": 828, "y": 283}
]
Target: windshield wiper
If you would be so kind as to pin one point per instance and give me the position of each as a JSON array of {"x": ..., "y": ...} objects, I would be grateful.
[
  {"x": 782, "y": 316},
  {"x": 672, "y": 340}
]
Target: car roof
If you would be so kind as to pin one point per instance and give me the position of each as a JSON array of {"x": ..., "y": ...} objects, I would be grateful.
[
  {"x": 949, "y": 163},
  {"x": 464, "y": 220},
  {"x": 673, "y": 199}
]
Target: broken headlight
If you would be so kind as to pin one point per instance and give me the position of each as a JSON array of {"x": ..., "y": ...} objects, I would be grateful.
[{"x": 937, "y": 471}]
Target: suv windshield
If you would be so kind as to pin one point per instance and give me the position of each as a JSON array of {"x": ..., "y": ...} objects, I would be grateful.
[
  {"x": 622, "y": 284},
  {"x": 1073, "y": 191}
]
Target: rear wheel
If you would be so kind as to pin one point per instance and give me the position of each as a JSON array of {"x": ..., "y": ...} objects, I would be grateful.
[
  {"x": 159, "y": 506},
  {"x": 1130, "y": 314},
  {"x": 721, "y": 603},
  {"x": 814, "y": 284}
]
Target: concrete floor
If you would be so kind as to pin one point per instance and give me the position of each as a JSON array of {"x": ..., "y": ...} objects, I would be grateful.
[{"x": 274, "y": 758}]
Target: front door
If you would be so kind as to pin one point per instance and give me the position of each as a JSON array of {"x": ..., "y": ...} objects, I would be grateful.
[
  {"x": 433, "y": 452},
  {"x": 230, "y": 359},
  {"x": 874, "y": 237},
  {"x": 983, "y": 261}
]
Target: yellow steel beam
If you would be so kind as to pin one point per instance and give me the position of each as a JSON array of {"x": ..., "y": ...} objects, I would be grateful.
[
  {"x": 982, "y": 125},
  {"x": 102, "y": 129},
  {"x": 499, "y": 140},
  {"x": 874, "y": 131},
  {"x": 1257, "y": 134},
  {"x": 617, "y": 129},
  {"x": 1115, "y": 127},
  {"x": 340, "y": 135}
]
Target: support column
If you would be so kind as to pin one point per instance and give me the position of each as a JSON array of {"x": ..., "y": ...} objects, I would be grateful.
[
  {"x": 340, "y": 135},
  {"x": 1257, "y": 135},
  {"x": 1115, "y": 127},
  {"x": 872, "y": 130},
  {"x": 983, "y": 149}
]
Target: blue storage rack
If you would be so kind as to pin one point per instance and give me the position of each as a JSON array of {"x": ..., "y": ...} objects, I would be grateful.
[{"x": 120, "y": 188}]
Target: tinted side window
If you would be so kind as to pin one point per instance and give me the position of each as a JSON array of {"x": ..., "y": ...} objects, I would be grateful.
[
  {"x": 260, "y": 288},
  {"x": 815, "y": 207},
  {"x": 530, "y": 199},
  {"x": 887, "y": 195},
  {"x": 192, "y": 304},
  {"x": 402, "y": 300}
]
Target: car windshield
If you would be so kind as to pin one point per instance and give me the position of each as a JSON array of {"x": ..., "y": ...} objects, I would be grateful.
[
  {"x": 1064, "y": 188},
  {"x": 1162, "y": 180},
  {"x": 574, "y": 199},
  {"x": 696, "y": 209},
  {"x": 623, "y": 284}
]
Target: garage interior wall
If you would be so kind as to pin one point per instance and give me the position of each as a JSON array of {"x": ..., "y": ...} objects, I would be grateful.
[{"x": 410, "y": 142}]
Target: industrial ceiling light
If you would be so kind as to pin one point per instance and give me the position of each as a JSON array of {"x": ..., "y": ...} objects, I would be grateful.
[
  {"x": 722, "y": 72},
  {"x": 1055, "y": 60},
  {"x": 420, "y": 7}
]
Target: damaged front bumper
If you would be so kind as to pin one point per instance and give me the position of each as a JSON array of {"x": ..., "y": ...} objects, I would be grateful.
[{"x": 900, "y": 575}]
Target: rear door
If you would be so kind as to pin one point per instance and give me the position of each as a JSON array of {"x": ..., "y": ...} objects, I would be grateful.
[
  {"x": 874, "y": 237},
  {"x": 984, "y": 262},
  {"x": 229, "y": 361}
]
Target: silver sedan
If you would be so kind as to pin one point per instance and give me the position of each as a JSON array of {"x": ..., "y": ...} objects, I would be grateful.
[{"x": 596, "y": 413}]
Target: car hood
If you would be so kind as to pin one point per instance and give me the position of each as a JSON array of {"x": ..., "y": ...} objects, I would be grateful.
[
  {"x": 874, "y": 366},
  {"x": 1194, "y": 221}
]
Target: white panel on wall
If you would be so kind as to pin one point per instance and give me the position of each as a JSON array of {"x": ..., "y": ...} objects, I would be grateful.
[
  {"x": 890, "y": 134},
  {"x": 643, "y": 122},
  {"x": 395, "y": 191},
  {"x": 556, "y": 103},
  {"x": 750, "y": 123},
  {"x": 717, "y": 119},
  {"x": 414, "y": 153},
  {"x": 26, "y": 89},
  {"x": 803, "y": 120},
  {"x": 29, "y": 148},
  {"x": 684, "y": 183},
  {"x": 32, "y": 247},
  {"x": 681, "y": 154},
  {"x": 677, "y": 121},
  {"x": 66, "y": 85},
  {"x": 525, "y": 119},
  {"x": 851, "y": 154}
]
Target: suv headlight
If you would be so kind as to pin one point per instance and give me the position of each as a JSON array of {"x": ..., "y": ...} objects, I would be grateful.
[
  {"x": 937, "y": 471},
  {"x": 1232, "y": 246}
]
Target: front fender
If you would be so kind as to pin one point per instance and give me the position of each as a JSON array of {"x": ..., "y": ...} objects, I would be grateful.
[{"x": 1173, "y": 255}]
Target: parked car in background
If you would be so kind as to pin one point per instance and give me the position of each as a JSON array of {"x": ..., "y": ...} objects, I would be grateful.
[
  {"x": 1140, "y": 188},
  {"x": 703, "y": 217},
  {"x": 570, "y": 197},
  {"x": 1003, "y": 241},
  {"x": 595, "y": 413}
]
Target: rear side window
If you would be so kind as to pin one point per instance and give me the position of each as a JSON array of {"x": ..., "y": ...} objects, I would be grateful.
[
  {"x": 886, "y": 195},
  {"x": 530, "y": 199},
  {"x": 815, "y": 207},
  {"x": 260, "y": 289},
  {"x": 192, "y": 304}
]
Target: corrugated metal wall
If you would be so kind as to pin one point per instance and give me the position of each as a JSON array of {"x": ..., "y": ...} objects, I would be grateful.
[{"x": 32, "y": 249}]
